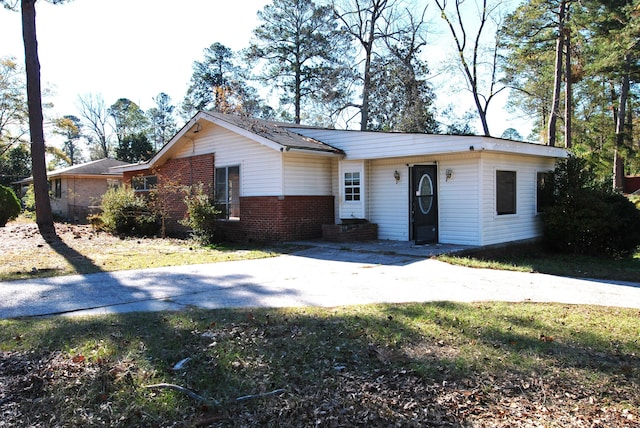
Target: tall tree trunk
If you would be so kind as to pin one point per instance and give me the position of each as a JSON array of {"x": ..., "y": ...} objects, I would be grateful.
[
  {"x": 618, "y": 160},
  {"x": 568, "y": 97},
  {"x": 298, "y": 92},
  {"x": 44, "y": 215},
  {"x": 482, "y": 113},
  {"x": 553, "y": 118},
  {"x": 366, "y": 89}
]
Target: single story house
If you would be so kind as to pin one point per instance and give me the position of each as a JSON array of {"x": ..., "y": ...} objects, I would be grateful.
[
  {"x": 75, "y": 190},
  {"x": 280, "y": 182}
]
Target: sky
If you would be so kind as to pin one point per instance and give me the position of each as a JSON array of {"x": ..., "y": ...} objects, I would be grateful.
[
  {"x": 138, "y": 48},
  {"x": 127, "y": 48}
]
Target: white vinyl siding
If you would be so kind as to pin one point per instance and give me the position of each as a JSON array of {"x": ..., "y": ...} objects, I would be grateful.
[
  {"x": 525, "y": 224},
  {"x": 458, "y": 199},
  {"x": 260, "y": 166},
  {"x": 307, "y": 175},
  {"x": 384, "y": 145},
  {"x": 458, "y": 207},
  {"x": 466, "y": 202},
  {"x": 388, "y": 199}
]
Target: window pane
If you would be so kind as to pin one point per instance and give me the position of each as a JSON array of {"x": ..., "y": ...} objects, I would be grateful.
[
  {"x": 348, "y": 194},
  {"x": 221, "y": 186},
  {"x": 137, "y": 183},
  {"x": 144, "y": 183},
  {"x": 234, "y": 191},
  {"x": 505, "y": 192},
  {"x": 150, "y": 182},
  {"x": 351, "y": 186},
  {"x": 58, "y": 191},
  {"x": 227, "y": 190}
]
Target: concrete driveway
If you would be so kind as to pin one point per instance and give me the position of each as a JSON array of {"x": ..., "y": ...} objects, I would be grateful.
[{"x": 322, "y": 275}]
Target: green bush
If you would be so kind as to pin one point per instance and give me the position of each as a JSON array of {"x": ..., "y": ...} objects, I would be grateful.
[
  {"x": 586, "y": 219},
  {"x": 9, "y": 205},
  {"x": 29, "y": 199},
  {"x": 201, "y": 215},
  {"x": 126, "y": 213}
]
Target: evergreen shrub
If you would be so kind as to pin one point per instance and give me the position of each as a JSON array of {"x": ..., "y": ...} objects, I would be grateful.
[
  {"x": 9, "y": 205},
  {"x": 126, "y": 213},
  {"x": 202, "y": 215},
  {"x": 587, "y": 219}
]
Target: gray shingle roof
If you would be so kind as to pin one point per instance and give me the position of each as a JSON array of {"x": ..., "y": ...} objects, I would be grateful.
[
  {"x": 277, "y": 132},
  {"x": 98, "y": 167}
]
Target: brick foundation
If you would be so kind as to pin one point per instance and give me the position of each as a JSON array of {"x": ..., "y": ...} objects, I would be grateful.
[
  {"x": 350, "y": 232},
  {"x": 279, "y": 218},
  {"x": 262, "y": 218}
]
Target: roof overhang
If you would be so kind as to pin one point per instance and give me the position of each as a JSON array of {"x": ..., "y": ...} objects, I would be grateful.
[{"x": 194, "y": 126}]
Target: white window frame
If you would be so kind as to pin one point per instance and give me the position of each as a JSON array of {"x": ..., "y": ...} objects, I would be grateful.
[
  {"x": 352, "y": 186},
  {"x": 149, "y": 182},
  {"x": 229, "y": 200},
  {"x": 500, "y": 187}
]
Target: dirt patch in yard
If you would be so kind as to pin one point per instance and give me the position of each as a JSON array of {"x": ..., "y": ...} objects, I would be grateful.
[{"x": 79, "y": 249}]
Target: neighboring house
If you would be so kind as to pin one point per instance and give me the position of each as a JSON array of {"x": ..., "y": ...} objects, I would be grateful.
[
  {"x": 632, "y": 184},
  {"x": 76, "y": 190},
  {"x": 279, "y": 182}
]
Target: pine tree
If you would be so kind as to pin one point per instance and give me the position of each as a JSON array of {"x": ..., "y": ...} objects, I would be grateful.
[{"x": 301, "y": 50}]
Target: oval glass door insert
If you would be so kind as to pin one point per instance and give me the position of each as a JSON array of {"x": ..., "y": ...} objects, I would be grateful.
[{"x": 425, "y": 194}]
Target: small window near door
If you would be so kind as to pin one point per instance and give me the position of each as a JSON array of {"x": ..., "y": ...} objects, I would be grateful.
[
  {"x": 505, "y": 192},
  {"x": 351, "y": 186}
]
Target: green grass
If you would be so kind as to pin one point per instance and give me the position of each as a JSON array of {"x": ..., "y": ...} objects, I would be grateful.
[
  {"x": 334, "y": 365},
  {"x": 534, "y": 258}
]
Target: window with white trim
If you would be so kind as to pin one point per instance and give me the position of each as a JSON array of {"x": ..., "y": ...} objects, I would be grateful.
[
  {"x": 144, "y": 183},
  {"x": 227, "y": 191},
  {"x": 351, "y": 186},
  {"x": 505, "y": 192}
]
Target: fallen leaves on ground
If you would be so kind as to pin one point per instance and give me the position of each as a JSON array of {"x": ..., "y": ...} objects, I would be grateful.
[{"x": 30, "y": 389}]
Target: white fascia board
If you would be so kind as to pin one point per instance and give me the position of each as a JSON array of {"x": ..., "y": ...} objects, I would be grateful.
[
  {"x": 514, "y": 147},
  {"x": 312, "y": 152},
  {"x": 135, "y": 167}
]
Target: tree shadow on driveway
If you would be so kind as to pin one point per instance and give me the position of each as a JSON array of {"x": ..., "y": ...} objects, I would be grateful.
[{"x": 131, "y": 291}]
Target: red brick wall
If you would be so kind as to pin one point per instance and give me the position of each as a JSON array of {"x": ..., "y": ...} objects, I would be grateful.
[
  {"x": 350, "y": 232},
  {"x": 275, "y": 218},
  {"x": 262, "y": 218},
  {"x": 177, "y": 173},
  {"x": 172, "y": 176}
]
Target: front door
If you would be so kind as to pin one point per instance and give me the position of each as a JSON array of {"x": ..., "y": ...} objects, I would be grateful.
[{"x": 424, "y": 205}]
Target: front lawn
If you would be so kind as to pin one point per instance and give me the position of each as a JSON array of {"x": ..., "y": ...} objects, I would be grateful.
[
  {"x": 78, "y": 249},
  {"x": 431, "y": 364},
  {"x": 534, "y": 258}
]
